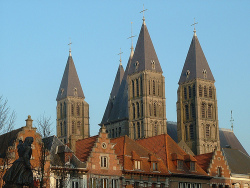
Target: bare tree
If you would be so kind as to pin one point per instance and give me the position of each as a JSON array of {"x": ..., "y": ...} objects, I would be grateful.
[
  {"x": 7, "y": 118},
  {"x": 44, "y": 128}
]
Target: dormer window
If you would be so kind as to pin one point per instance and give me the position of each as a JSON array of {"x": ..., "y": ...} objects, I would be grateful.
[
  {"x": 179, "y": 165},
  {"x": 155, "y": 166},
  {"x": 137, "y": 165},
  {"x": 192, "y": 166}
]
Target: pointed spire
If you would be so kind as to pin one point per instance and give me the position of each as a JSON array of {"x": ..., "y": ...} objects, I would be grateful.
[
  {"x": 70, "y": 84},
  {"x": 196, "y": 65},
  {"x": 144, "y": 57}
]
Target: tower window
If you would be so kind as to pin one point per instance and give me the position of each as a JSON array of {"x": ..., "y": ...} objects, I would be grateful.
[
  {"x": 149, "y": 87},
  {"x": 186, "y": 132},
  {"x": 194, "y": 90},
  {"x": 142, "y": 129},
  {"x": 73, "y": 127},
  {"x": 133, "y": 111},
  {"x": 154, "y": 109},
  {"x": 155, "y": 129},
  {"x": 65, "y": 109},
  {"x": 141, "y": 109},
  {"x": 120, "y": 131},
  {"x": 141, "y": 88},
  {"x": 187, "y": 112},
  {"x": 189, "y": 92},
  {"x": 79, "y": 127},
  {"x": 112, "y": 133},
  {"x": 65, "y": 128},
  {"x": 185, "y": 93},
  {"x": 153, "y": 87},
  {"x": 191, "y": 131},
  {"x": 138, "y": 110},
  {"x": 133, "y": 88},
  {"x": 209, "y": 111},
  {"x": 137, "y": 87},
  {"x": 200, "y": 90},
  {"x": 72, "y": 109},
  {"x": 203, "y": 110},
  {"x": 207, "y": 131},
  {"x": 78, "y": 110},
  {"x": 193, "y": 110},
  {"x": 134, "y": 130},
  {"x": 158, "y": 89},
  {"x": 138, "y": 130},
  {"x": 210, "y": 92},
  {"x": 61, "y": 110},
  {"x": 61, "y": 129},
  {"x": 205, "y": 91}
]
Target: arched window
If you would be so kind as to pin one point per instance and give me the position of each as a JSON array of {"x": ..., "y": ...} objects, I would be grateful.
[
  {"x": 210, "y": 92},
  {"x": 207, "y": 131},
  {"x": 138, "y": 110},
  {"x": 153, "y": 87},
  {"x": 78, "y": 110},
  {"x": 219, "y": 171},
  {"x": 133, "y": 88},
  {"x": 192, "y": 110},
  {"x": 73, "y": 127},
  {"x": 137, "y": 87},
  {"x": 194, "y": 90},
  {"x": 205, "y": 91},
  {"x": 185, "y": 93},
  {"x": 187, "y": 112},
  {"x": 200, "y": 90},
  {"x": 72, "y": 109},
  {"x": 154, "y": 109},
  {"x": 189, "y": 92},
  {"x": 209, "y": 111},
  {"x": 191, "y": 132},
  {"x": 138, "y": 130},
  {"x": 203, "y": 110},
  {"x": 149, "y": 87},
  {"x": 133, "y": 111}
]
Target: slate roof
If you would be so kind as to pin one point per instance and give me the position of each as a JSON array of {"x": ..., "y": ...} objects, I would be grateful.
[
  {"x": 204, "y": 160},
  {"x": 144, "y": 53},
  {"x": 70, "y": 82},
  {"x": 114, "y": 91},
  {"x": 7, "y": 140},
  {"x": 238, "y": 162},
  {"x": 195, "y": 63}
]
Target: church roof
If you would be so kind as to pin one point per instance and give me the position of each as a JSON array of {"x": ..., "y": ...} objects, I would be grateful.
[
  {"x": 196, "y": 65},
  {"x": 145, "y": 55},
  {"x": 114, "y": 91},
  {"x": 70, "y": 84}
]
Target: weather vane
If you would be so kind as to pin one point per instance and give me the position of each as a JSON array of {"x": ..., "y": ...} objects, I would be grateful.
[
  {"x": 131, "y": 37},
  {"x": 70, "y": 46},
  {"x": 120, "y": 56},
  {"x": 143, "y": 13},
  {"x": 194, "y": 25}
]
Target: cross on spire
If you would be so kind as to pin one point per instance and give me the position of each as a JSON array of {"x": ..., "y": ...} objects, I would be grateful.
[
  {"x": 131, "y": 37},
  {"x": 70, "y": 46},
  {"x": 120, "y": 56},
  {"x": 194, "y": 26},
  {"x": 143, "y": 14}
]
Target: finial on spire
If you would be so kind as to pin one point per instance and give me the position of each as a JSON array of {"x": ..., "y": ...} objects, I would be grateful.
[
  {"x": 120, "y": 56},
  {"x": 70, "y": 46},
  {"x": 232, "y": 121},
  {"x": 131, "y": 37},
  {"x": 194, "y": 27},
  {"x": 143, "y": 14}
]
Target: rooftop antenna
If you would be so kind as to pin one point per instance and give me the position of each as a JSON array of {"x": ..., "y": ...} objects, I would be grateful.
[
  {"x": 120, "y": 56},
  {"x": 70, "y": 46},
  {"x": 194, "y": 26},
  {"x": 232, "y": 121},
  {"x": 143, "y": 14}
]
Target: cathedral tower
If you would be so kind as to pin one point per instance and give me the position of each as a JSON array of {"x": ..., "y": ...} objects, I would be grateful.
[
  {"x": 197, "y": 116},
  {"x": 146, "y": 90},
  {"x": 72, "y": 109}
]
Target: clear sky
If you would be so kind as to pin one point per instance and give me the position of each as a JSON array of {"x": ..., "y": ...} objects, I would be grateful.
[{"x": 34, "y": 51}]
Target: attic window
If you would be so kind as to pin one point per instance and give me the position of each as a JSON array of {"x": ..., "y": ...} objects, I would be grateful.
[
  {"x": 188, "y": 73},
  {"x": 137, "y": 165},
  {"x": 153, "y": 64},
  {"x": 155, "y": 166},
  {"x": 204, "y": 72},
  {"x": 136, "y": 65},
  {"x": 192, "y": 166},
  {"x": 62, "y": 90},
  {"x": 179, "y": 165}
]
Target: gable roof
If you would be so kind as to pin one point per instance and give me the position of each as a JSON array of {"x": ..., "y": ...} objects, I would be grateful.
[
  {"x": 144, "y": 53},
  {"x": 70, "y": 84},
  {"x": 238, "y": 162},
  {"x": 114, "y": 91},
  {"x": 195, "y": 63}
]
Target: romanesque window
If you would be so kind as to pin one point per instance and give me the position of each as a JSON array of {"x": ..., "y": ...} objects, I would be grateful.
[
  {"x": 133, "y": 88},
  {"x": 104, "y": 162},
  {"x": 205, "y": 91},
  {"x": 61, "y": 126},
  {"x": 154, "y": 109},
  {"x": 207, "y": 131},
  {"x": 78, "y": 110},
  {"x": 72, "y": 109},
  {"x": 133, "y": 111},
  {"x": 191, "y": 132},
  {"x": 209, "y": 111},
  {"x": 138, "y": 130},
  {"x": 153, "y": 87},
  {"x": 200, "y": 90},
  {"x": 210, "y": 92},
  {"x": 189, "y": 92},
  {"x": 194, "y": 90},
  {"x": 185, "y": 93},
  {"x": 149, "y": 87},
  {"x": 73, "y": 127},
  {"x": 203, "y": 110},
  {"x": 187, "y": 112},
  {"x": 138, "y": 110},
  {"x": 192, "y": 110},
  {"x": 137, "y": 87},
  {"x": 186, "y": 132}
]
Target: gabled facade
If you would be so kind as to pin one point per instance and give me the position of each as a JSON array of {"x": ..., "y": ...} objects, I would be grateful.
[
  {"x": 197, "y": 116},
  {"x": 72, "y": 109}
]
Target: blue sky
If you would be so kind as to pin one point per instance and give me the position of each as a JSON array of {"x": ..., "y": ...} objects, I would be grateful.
[{"x": 34, "y": 37}]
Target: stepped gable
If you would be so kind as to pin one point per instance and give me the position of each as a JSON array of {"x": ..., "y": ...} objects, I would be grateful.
[
  {"x": 195, "y": 64},
  {"x": 165, "y": 147},
  {"x": 114, "y": 91},
  {"x": 144, "y": 56},
  {"x": 70, "y": 84}
]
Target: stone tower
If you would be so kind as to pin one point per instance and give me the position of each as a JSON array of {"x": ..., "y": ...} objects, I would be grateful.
[
  {"x": 72, "y": 109},
  {"x": 139, "y": 107},
  {"x": 197, "y": 116}
]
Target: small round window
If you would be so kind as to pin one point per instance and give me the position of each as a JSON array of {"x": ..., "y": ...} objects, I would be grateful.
[{"x": 104, "y": 145}]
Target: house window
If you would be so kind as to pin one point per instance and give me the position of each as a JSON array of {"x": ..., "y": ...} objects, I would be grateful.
[
  {"x": 179, "y": 165},
  {"x": 200, "y": 90},
  {"x": 155, "y": 166},
  {"x": 185, "y": 93},
  {"x": 93, "y": 183},
  {"x": 137, "y": 185},
  {"x": 104, "y": 183},
  {"x": 219, "y": 171},
  {"x": 59, "y": 183},
  {"x": 162, "y": 185},
  {"x": 115, "y": 183},
  {"x": 192, "y": 166},
  {"x": 207, "y": 131},
  {"x": 75, "y": 184},
  {"x": 137, "y": 165},
  {"x": 104, "y": 161}
]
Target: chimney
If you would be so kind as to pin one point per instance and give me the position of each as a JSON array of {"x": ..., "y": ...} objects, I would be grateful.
[{"x": 29, "y": 122}]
